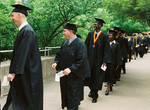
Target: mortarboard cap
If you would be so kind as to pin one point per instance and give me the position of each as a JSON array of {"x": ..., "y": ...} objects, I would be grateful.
[
  {"x": 142, "y": 33},
  {"x": 113, "y": 32},
  {"x": 21, "y": 9},
  {"x": 122, "y": 31},
  {"x": 117, "y": 28},
  {"x": 99, "y": 21},
  {"x": 71, "y": 26}
]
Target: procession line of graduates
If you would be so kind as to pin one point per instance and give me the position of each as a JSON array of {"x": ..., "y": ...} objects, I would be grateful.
[
  {"x": 82, "y": 63},
  {"x": 138, "y": 45}
]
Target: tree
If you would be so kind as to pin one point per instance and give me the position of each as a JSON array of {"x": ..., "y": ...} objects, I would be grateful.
[
  {"x": 7, "y": 27},
  {"x": 137, "y": 10},
  {"x": 49, "y": 16}
]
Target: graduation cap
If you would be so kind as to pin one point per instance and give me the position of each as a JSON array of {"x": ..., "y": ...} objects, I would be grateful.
[
  {"x": 117, "y": 28},
  {"x": 99, "y": 21},
  {"x": 78, "y": 36},
  {"x": 113, "y": 32},
  {"x": 142, "y": 33},
  {"x": 21, "y": 9},
  {"x": 134, "y": 34},
  {"x": 122, "y": 31},
  {"x": 71, "y": 26}
]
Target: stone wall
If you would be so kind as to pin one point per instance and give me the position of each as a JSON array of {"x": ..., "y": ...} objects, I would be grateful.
[{"x": 48, "y": 73}]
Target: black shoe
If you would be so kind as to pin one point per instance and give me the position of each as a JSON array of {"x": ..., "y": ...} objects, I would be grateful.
[
  {"x": 107, "y": 93},
  {"x": 94, "y": 100},
  {"x": 111, "y": 89},
  {"x": 89, "y": 94},
  {"x": 124, "y": 72}
]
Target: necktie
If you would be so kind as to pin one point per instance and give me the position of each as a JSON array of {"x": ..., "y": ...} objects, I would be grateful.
[{"x": 95, "y": 36}]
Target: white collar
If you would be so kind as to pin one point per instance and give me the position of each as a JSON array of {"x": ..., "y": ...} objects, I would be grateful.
[
  {"x": 97, "y": 32},
  {"x": 113, "y": 42},
  {"x": 72, "y": 39},
  {"x": 22, "y": 25}
]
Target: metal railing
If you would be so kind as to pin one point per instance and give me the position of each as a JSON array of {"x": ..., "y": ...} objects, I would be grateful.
[{"x": 46, "y": 50}]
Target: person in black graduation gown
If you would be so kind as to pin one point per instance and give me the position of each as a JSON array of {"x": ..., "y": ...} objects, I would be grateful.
[
  {"x": 142, "y": 45},
  {"x": 120, "y": 40},
  {"x": 148, "y": 41},
  {"x": 72, "y": 60},
  {"x": 0, "y": 79},
  {"x": 125, "y": 51},
  {"x": 130, "y": 44},
  {"x": 136, "y": 39},
  {"x": 134, "y": 45},
  {"x": 98, "y": 48},
  {"x": 146, "y": 46},
  {"x": 110, "y": 76},
  {"x": 25, "y": 73}
]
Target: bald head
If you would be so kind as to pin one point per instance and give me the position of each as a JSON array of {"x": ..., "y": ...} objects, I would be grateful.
[{"x": 18, "y": 18}]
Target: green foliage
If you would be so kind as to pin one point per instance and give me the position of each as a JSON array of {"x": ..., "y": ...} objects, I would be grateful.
[
  {"x": 49, "y": 16},
  {"x": 7, "y": 27},
  {"x": 131, "y": 9}
]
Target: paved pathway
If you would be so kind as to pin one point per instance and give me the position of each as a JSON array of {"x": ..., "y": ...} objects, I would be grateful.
[{"x": 131, "y": 93}]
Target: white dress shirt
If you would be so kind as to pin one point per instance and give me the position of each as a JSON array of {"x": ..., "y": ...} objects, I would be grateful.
[{"x": 22, "y": 25}]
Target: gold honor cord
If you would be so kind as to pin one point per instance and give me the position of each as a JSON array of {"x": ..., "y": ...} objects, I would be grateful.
[{"x": 95, "y": 39}]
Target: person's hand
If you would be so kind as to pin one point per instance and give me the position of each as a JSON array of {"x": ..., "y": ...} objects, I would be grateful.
[
  {"x": 10, "y": 77},
  {"x": 128, "y": 56},
  {"x": 104, "y": 64},
  {"x": 117, "y": 67},
  {"x": 141, "y": 44},
  {"x": 67, "y": 71},
  {"x": 54, "y": 66}
]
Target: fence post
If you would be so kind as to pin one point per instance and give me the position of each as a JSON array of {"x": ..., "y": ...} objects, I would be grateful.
[{"x": 45, "y": 52}]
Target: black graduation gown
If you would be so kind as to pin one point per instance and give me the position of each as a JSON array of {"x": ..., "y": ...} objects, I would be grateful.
[
  {"x": 116, "y": 60},
  {"x": 130, "y": 43},
  {"x": 146, "y": 46},
  {"x": 120, "y": 40},
  {"x": 26, "y": 90},
  {"x": 126, "y": 48},
  {"x": 136, "y": 42},
  {"x": 97, "y": 56},
  {"x": 74, "y": 57},
  {"x": 142, "y": 48},
  {"x": 110, "y": 75}
]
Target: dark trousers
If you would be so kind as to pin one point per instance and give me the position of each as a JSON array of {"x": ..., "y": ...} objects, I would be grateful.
[
  {"x": 94, "y": 93},
  {"x": 118, "y": 73},
  {"x": 137, "y": 52},
  {"x": 124, "y": 64}
]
